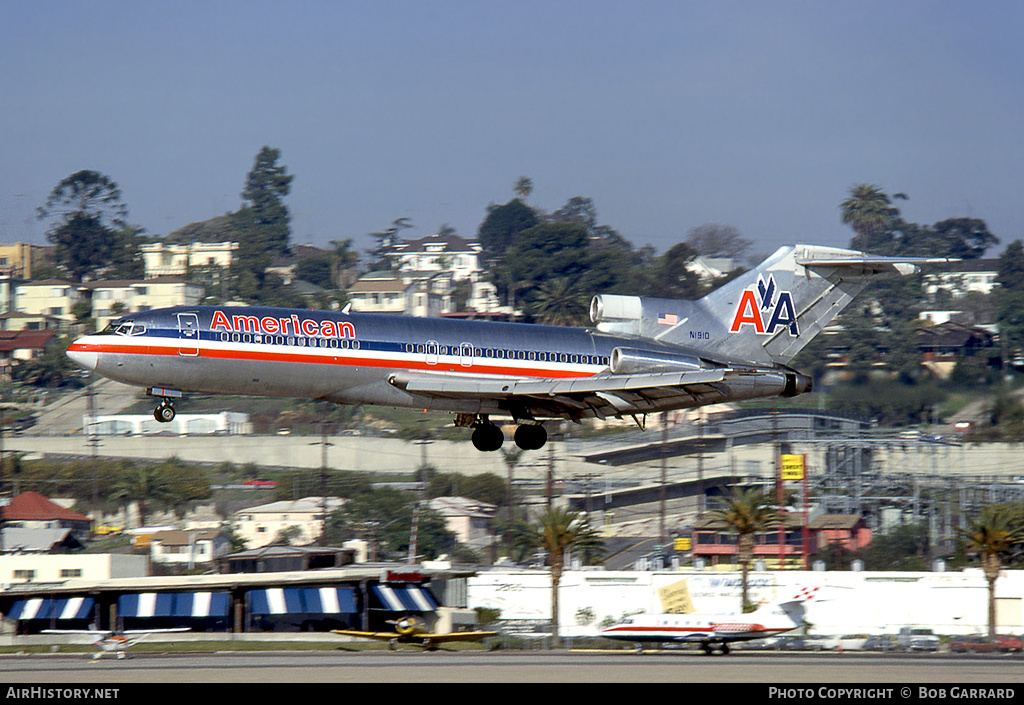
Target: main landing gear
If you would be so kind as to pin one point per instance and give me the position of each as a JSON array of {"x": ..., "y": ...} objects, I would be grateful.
[{"x": 488, "y": 437}]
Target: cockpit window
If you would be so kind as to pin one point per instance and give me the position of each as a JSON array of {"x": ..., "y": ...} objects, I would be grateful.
[{"x": 125, "y": 328}]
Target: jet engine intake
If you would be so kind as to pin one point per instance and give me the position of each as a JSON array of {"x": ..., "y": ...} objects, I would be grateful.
[{"x": 626, "y": 361}]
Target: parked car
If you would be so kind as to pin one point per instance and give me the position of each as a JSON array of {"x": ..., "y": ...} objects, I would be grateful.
[
  {"x": 821, "y": 643},
  {"x": 972, "y": 644},
  {"x": 853, "y": 642},
  {"x": 981, "y": 645},
  {"x": 880, "y": 642},
  {"x": 917, "y": 639},
  {"x": 1010, "y": 644}
]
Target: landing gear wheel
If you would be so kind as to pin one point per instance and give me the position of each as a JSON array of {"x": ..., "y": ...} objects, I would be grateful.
[
  {"x": 164, "y": 413},
  {"x": 488, "y": 437},
  {"x": 531, "y": 436}
]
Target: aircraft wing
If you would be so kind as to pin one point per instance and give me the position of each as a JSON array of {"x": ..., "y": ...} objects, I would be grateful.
[
  {"x": 380, "y": 636},
  {"x": 602, "y": 395},
  {"x": 457, "y": 636},
  {"x": 432, "y": 638}
]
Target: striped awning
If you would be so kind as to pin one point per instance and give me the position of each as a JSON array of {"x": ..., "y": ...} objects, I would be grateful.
[
  {"x": 174, "y": 604},
  {"x": 405, "y": 598},
  {"x": 46, "y": 608},
  {"x": 326, "y": 600}
]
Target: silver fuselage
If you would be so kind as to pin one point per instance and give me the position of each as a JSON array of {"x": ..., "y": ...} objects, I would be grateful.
[{"x": 352, "y": 358}]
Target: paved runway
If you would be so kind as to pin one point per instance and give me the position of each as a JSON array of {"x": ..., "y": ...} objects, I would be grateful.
[{"x": 514, "y": 667}]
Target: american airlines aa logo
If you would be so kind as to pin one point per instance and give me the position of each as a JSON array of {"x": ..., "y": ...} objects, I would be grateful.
[{"x": 755, "y": 307}]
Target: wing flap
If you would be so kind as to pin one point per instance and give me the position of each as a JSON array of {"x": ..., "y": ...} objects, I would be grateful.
[
  {"x": 601, "y": 396},
  {"x": 438, "y": 385}
]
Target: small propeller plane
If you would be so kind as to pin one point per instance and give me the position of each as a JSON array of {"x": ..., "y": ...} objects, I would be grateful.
[
  {"x": 414, "y": 630},
  {"x": 644, "y": 355},
  {"x": 713, "y": 631},
  {"x": 115, "y": 642}
]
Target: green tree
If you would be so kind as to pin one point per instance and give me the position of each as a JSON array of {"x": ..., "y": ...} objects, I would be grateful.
[
  {"x": 263, "y": 222},
  {"x": 384, "y": 517},
  {"x": 869, "y": 211},
  {"x": 559, "y": 302},
  {"x": 746, "y": 512},
  {"x": 88, "y": 213},
  {"x": 559, "y": 531},
  {"x": 144, "y": 485},
  {"x": 672, "y": 276},
  {"x": 496, "y": 234},
  {"x": 904, "y": 547},
  {"x": 523, "y": 187},
  {"x": 995, "y": 537},
  {"x": 386, "y": 241},
  {"x": 1010, "y": 296},
  {"x": 713, "y": 240}
]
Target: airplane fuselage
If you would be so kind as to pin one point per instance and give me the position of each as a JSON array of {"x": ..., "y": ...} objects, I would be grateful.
[{"x": 352, "y": 357}]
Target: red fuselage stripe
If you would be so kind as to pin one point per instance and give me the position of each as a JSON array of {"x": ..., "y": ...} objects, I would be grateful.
[{"x": 330, "y": 356}]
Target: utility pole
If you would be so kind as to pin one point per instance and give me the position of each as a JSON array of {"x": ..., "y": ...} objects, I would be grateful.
[{"x": 664, "y": 479}]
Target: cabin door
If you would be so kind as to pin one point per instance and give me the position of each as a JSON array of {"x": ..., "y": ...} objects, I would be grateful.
[{"x": 188, "y": 334}]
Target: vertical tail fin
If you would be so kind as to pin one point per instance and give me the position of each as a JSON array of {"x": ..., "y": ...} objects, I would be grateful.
[{"x": 766, "y": 315}]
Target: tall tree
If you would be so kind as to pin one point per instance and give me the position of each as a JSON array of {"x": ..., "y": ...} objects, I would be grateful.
[
  {"x": 386, "y": 241},
  {"x": 994, "y": 537},
  {"x": 713, "y": 240},
  {"x": 89, "y": 213},
  {"x": 263, "y": 221},
  {"x": 559, "y": 531},
  {"x": 1010, "y": 296},
  {"x": 869, "y": 211},
  {"x": 560, "y": 302},
  {"x": 524, "y": 187},
  {"x": 746, "y": 512}
]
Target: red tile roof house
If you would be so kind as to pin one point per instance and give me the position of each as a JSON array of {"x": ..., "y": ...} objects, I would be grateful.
[{"x": 32, "y": 510}]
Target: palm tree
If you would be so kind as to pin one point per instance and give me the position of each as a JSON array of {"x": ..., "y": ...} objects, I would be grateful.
[
  {"x": 559, "y": 531},
  {"x": 994, "y": 537},
  {"x": 747, "y": 512},
  {"x": 869, "y": 212},
  {"x": 559, "y": 302},
  {"x": 523, "y": 187}
]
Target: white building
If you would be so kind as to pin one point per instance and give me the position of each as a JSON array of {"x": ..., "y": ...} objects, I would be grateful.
[
  {"x": 849, "y": 602},
  {"x": 59, "y": 567},
  {"x": 260, "y": 526},
  {"x": 426, "y": 274},
  {"x": 50, "y": 298},
  {"x": 188, "y": 547},
  {"x": 111, "y": 299},
  {"x": 162, "y": 259},
  {"x": 470, "y": 520},
  {"x": 960, "y": 278},
  {"x": 222, "y": 424}
]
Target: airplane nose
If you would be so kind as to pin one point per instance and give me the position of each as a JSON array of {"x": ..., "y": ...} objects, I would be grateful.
[{"x": 81, "y": 355}]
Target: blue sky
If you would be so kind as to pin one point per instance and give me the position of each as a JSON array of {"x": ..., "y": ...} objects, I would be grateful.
[{"x": 759, "y": 115}]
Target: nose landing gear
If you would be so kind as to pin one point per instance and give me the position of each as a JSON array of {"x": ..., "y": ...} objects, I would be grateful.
[{"x": 164, "y": 412}]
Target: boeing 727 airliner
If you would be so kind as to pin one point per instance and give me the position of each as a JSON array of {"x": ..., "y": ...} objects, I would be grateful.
[{"x": 644, "y": 356}]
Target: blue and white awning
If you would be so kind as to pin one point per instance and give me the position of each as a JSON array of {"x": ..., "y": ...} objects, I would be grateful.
[
  {"x": 326, "y": 600},
  {"x": 405, "y": 598},
  {"x": 174, "y": 604},
  {"x": 46, "y": 608}
]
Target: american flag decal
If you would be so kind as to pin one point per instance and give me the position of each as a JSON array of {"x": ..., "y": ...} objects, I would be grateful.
[{"x": 668, "y": 319}]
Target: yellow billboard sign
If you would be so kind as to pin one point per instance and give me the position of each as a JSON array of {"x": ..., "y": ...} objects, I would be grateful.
[{"x": 792, "y": 467}]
